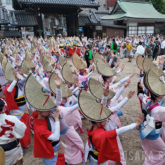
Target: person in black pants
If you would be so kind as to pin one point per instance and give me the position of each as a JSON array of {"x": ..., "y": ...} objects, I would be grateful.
[{"x": 87, "y": 54}]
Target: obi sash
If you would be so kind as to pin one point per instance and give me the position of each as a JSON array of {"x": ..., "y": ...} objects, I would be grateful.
[{"x": 149, "y": 126}]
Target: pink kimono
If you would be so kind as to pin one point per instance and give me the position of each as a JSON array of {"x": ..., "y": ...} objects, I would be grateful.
[
  {"x": 155, "y": 149},
  {"x": 74, "y": 152}
]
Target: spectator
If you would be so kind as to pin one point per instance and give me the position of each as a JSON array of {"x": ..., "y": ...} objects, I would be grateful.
[{"x": 114, "y": 46}]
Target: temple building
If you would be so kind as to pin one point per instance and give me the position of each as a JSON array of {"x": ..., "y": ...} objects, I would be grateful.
[{"x": 127, "y": 18}]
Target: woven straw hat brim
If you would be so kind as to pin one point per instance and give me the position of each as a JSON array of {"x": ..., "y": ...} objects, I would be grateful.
[
  {"x": 9, "y": 72},
  {"x": 14, "y": 56},
  {"x": 97, "y": 56},
  {"x": 1, "y": 56},
  {"x": 5, "y": 52},
  {"x": 66, "y": 92},
  {"x": 36, "y": 95},
  {"x": 4, "y": 62},
  {"x": 139, "y": 62},
  {"x": 46, "y": 65},
  {"x": 104, "y": 69},
  {"x": 62, "y": 60},
  {"x": 25, "y": 67},
  {"x": 147, "y": 64},
  {"x": 155, "y": 85},
  {"x": 145, "y": 81},
  {"x": 2, "y": 156},
  {"x": 31, "y": 63},
  {"x": 78, "y": 62},
  {"x": 91, "y": 107},
  {"x": 67, "y": 74},
  {"x": 96, "y": 89}
]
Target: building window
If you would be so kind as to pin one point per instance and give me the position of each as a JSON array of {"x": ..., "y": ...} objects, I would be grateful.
[
  {"x": 132, "y": 30},
  {"x": 9, "y": 2},
  {"x": 143, "y": 30}
]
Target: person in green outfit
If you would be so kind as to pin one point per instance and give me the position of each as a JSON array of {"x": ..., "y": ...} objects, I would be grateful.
[
  {"x": 114, "y": 46},
  {"x": 88, "y": 55}
]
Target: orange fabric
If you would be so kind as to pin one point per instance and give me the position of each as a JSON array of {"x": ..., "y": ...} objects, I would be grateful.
[{"x": 106, "y": 144}]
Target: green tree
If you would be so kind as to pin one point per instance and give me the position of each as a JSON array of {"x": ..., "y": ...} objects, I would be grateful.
[{"x": 159, "y": 5}]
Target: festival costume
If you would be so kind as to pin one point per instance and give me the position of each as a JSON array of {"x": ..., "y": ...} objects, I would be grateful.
[
  {"x": 11, "y": 130},
  {"x": 102, "y": 145},
  {"x": 46, "y": 135}
]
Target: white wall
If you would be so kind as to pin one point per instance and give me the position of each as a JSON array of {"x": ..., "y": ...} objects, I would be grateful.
[
  {"x": 7, "y": 4},
  {"x": 101, "y": 2}
]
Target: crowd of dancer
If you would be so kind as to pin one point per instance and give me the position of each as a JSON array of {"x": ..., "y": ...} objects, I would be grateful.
[{"x": 44, "y": 95}]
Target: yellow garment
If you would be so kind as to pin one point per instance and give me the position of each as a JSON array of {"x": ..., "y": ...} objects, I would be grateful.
[{"x": 129, "y": 47}]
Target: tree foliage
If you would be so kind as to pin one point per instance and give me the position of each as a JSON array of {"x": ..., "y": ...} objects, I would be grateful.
[{"x": 159, "y": 5}]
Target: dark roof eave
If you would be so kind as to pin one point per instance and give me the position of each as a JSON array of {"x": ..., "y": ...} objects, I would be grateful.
[
  {"x": 107, "y": 25},
  {"x": 82, "y": 6}
]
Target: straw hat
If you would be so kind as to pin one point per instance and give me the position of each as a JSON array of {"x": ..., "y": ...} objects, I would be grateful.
[
  {"x": 1, "y": 56},
  {"x": 99, "y": 57},
  {"x": 96, "y": 89},
  {"x": 4, "y": 62},
  {"x": 36, "y": 95},
  {"x": 155, "y": 84},
  {"x": 25, "y": 67},
  {"x": 2, "y": 156},
  {"x": 46, "y": 65},
  {"x": 62, "y": 60},
  {"x": 104, "y": 69},
  {"x": 5, "y": 52},
  {"x": 78, "y": 62},
  {"x": 139, "y": 62},
  {"x": 9, "y": 72},
  {"x": 66, "y": 92},
  {"x": 147, "y": 64},
  {"x": 67, "y": 74},
  {"x": 29, "y": 60},
  {"x": 14, "y": 55},
  {"x": 92, "y": 108},
  {"x": 32, "y": 49},
  {"x": 56, "y": 50}
]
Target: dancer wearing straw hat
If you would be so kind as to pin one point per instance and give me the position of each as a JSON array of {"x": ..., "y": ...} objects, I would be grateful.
[
  {"x": 107, "y": 76},
  {"x": 152, "y": 129},
  {"x": 101, "y": 145},
  {"x": 81, "y": 66},
  {"x": 16, "y": 103},
  {"x": 11, "y": 131}
]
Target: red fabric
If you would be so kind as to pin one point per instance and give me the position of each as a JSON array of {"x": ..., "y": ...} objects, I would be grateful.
[
  {"x": 78, "y": 51},
  {"x": 60, "y": 159},
  {"x": 96, "y": 50},
  {"x": 106, "y": 144},
  {"x": 11, "y": 104},
  {"x": 42, "y": 146},
  {"x": 62, "y": 50},
  {"x": 71, "y": 51},
  {"x": 25, "y": 141}
]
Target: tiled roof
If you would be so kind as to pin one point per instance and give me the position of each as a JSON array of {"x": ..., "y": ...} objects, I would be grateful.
[
  {"x": 81, "y": 3},
  {"x": 94, "y": 18},
  {"x": 84, "y": 19},
  {"x": 22, "y": 18},
  {"x": 4, "y": 18},
  {"x": 133, "y": 9}
]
